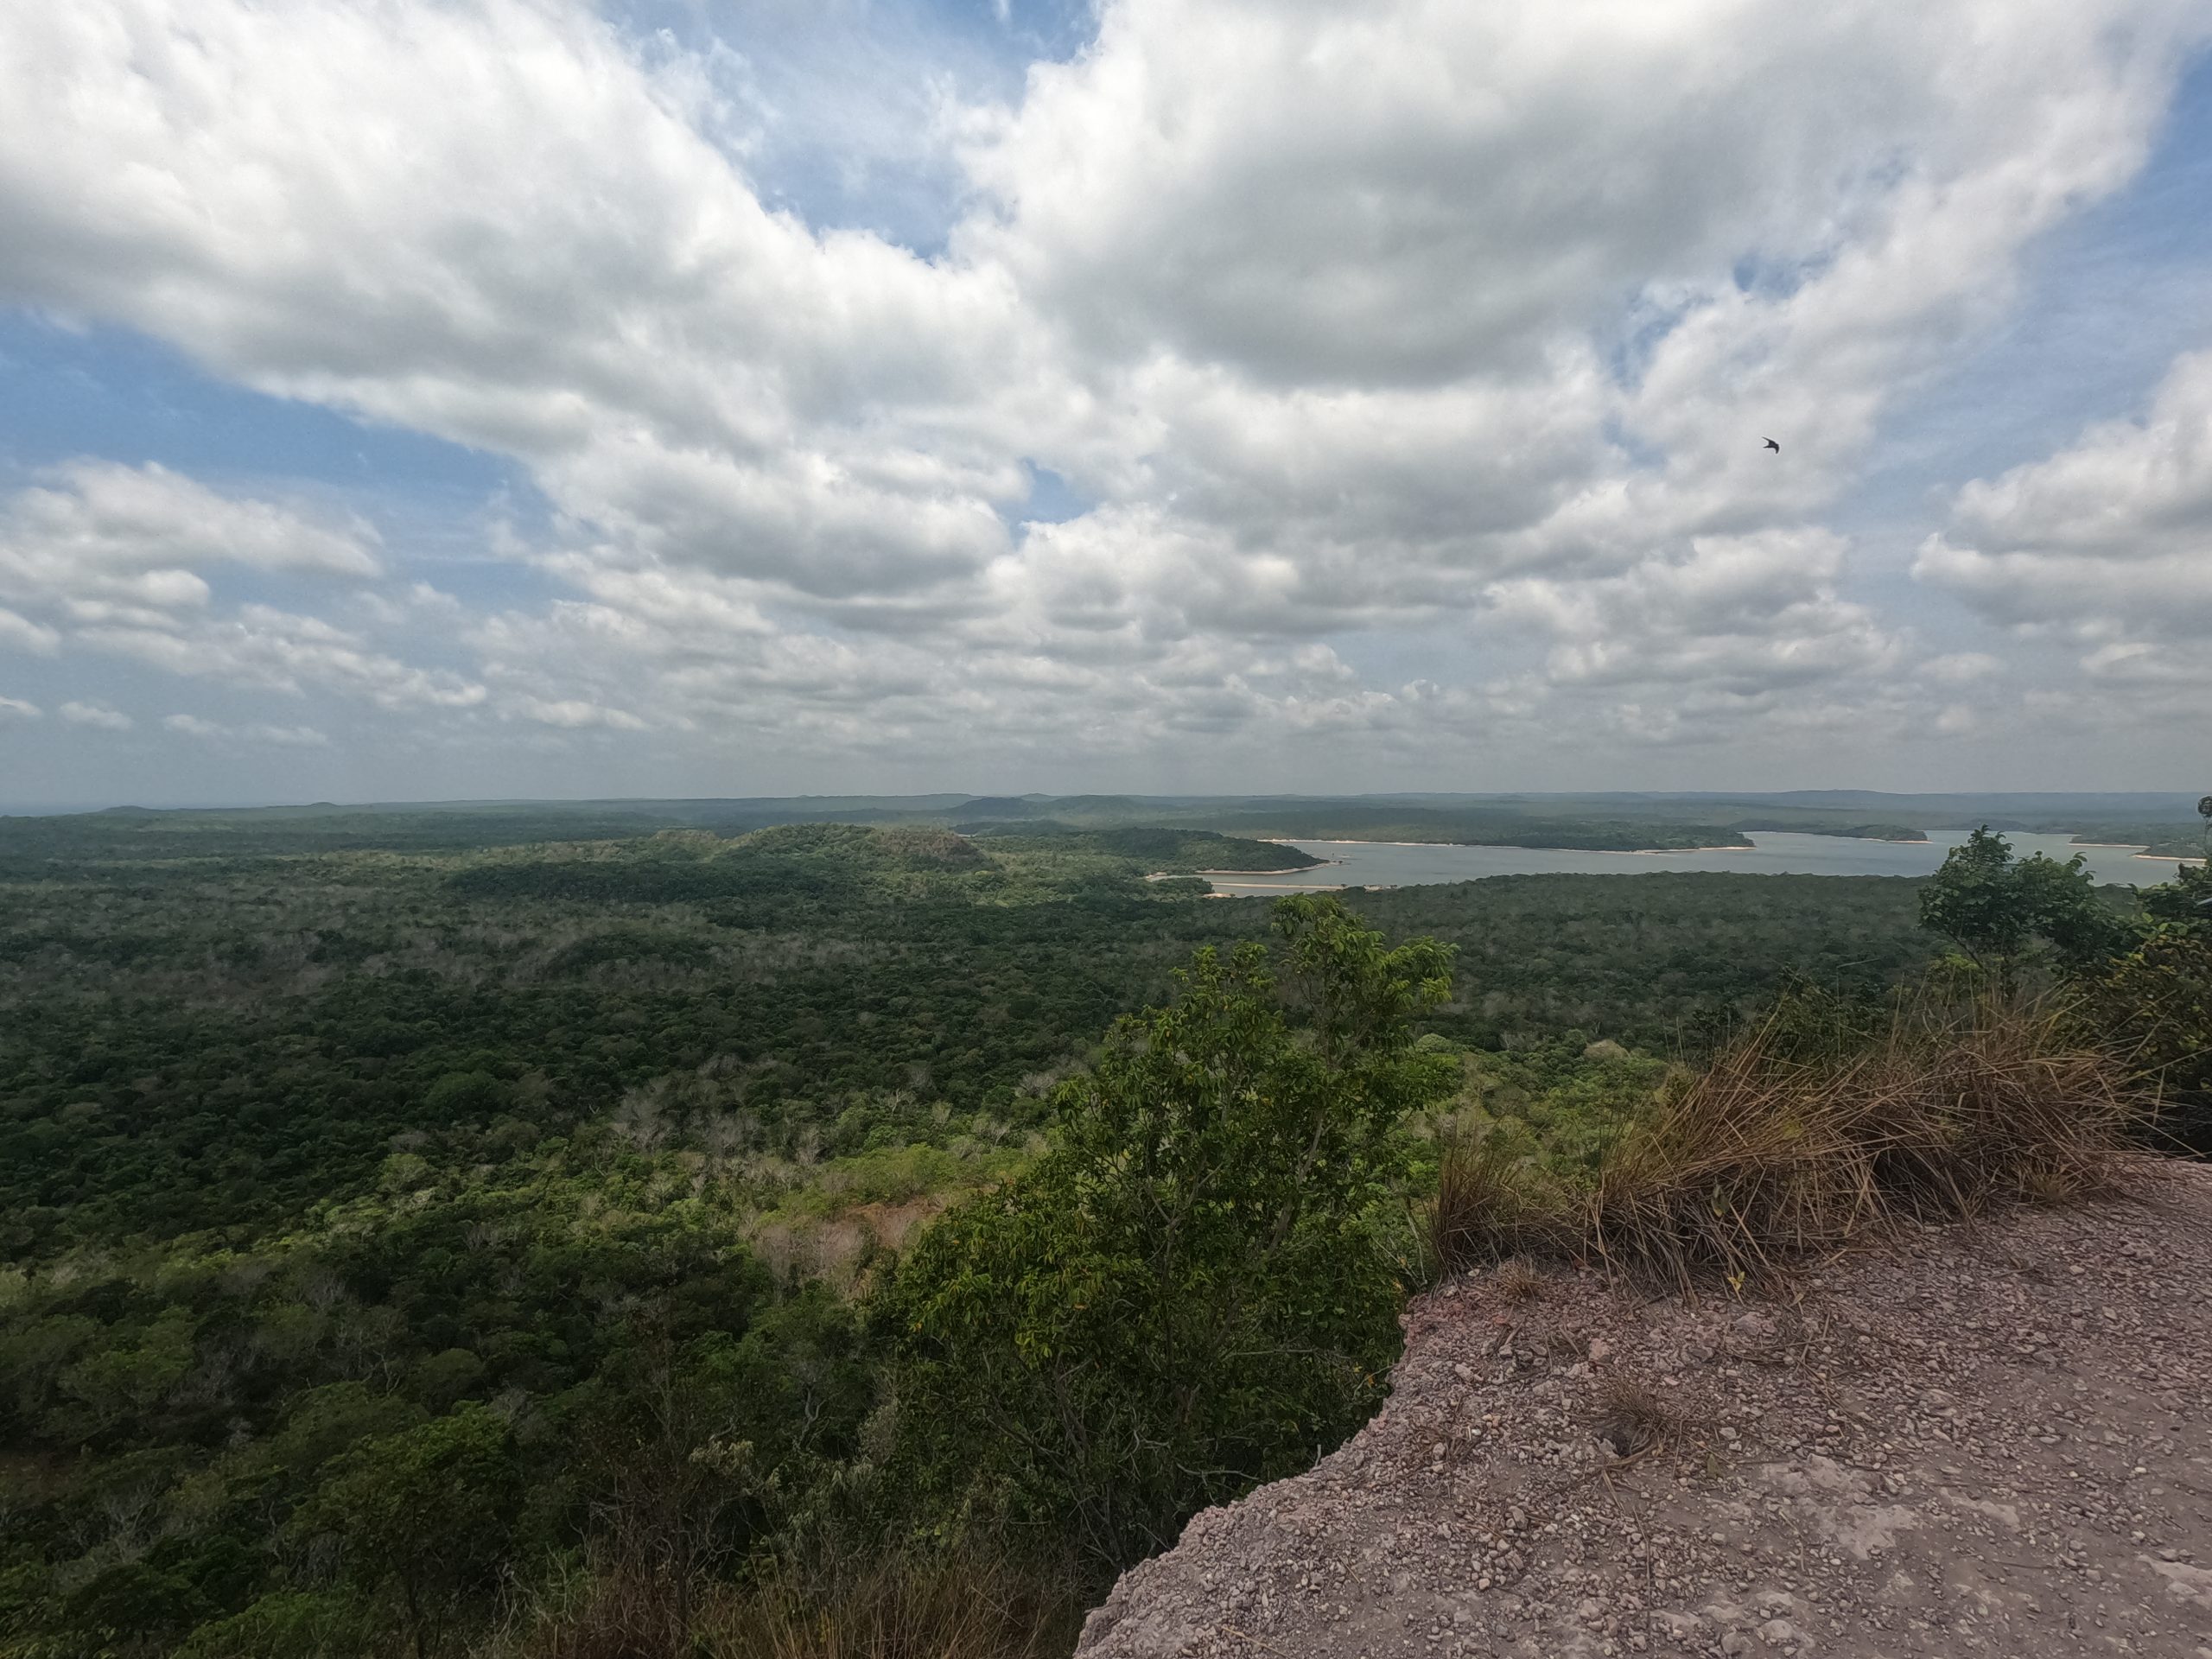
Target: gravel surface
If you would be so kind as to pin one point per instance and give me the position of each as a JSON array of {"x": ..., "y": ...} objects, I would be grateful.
[{"x": 1988, "y": 1438}]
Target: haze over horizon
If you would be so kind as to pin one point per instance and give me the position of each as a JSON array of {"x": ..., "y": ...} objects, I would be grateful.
[
  {"x": 530, "y": 399},
  {"x": 2085, "y": 809}
]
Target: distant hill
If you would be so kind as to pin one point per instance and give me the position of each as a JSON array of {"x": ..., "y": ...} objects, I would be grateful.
[{"x": 1620, "y": 820}]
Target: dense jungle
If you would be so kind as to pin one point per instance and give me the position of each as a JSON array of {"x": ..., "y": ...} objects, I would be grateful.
[{"x": 503, "y": 1233}]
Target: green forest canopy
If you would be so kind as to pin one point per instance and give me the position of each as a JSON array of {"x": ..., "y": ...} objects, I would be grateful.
[{"x": 523, "y": 1181}]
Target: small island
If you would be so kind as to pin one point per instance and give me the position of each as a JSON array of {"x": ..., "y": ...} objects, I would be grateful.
[
  {"x": 1582, "y": 837},
  {"x": 1163, "y": 852},
  {"x": 1851, "y": 831}
]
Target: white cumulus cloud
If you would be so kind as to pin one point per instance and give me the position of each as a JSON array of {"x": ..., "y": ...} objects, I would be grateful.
[
  {"x": 96, "y": 714},
  {"x": 254, "y": 733},
  {"x": 2109, "y": 541},
  {"x": 21, "y": 633},
  {"x": 1412, "y": 318},
  {"x": 112, "y": 558}
]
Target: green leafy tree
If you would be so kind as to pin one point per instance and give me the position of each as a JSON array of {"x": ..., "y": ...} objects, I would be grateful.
[
  {"x": 2185, "y": 901},
  {"x": 286, "y": 1624},
  {"x": 1998, "y": 910},
  {"x": 118, "y": 1381},
  {"x": 428, "y": 1511},
  {"x": 131, "y": 1609},
  {"x": 2152, "y": 1006},
  {"x": 1191, "y": 1292},
  {"x": 321, "y": 1422}
]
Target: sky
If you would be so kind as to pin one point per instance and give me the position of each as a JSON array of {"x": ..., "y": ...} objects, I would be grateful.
[{"x": 427, "y": 399}]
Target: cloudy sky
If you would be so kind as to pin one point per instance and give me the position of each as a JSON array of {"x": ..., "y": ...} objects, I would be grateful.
[{"x": 411, "y": 399}]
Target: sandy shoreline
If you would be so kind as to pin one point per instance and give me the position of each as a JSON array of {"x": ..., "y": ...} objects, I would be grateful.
[
  {"x": 1294, "y": 869},
  {"x": 1248, "y": 890},
  {"x": 2140, "y": 851}
]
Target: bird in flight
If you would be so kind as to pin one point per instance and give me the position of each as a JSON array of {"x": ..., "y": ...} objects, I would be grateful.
[{"x": 1772, "y": 445}]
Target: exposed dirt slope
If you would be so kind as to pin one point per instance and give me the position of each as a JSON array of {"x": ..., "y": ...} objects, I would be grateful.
[{"x": 1981, "y": 1439}]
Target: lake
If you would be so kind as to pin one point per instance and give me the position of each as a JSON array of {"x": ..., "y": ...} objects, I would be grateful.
[{"x": 1389, "y": 864}]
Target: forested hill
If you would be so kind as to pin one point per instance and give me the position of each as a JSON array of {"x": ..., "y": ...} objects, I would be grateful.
[
  {"x": 1608, "y": 822},
  {"x": 221, "y": 1040}
]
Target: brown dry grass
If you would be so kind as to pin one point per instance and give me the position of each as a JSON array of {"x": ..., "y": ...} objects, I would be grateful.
[
  {"x": 1516, "y": 1282},
  {"x": 1632, "y": 1417},
  {"x": 1486, "y": 1207},
  {"x": 618, "y": 1614},
  {"x": 897, "y": 1607},
  {"x": 1951, "y": 1112}
]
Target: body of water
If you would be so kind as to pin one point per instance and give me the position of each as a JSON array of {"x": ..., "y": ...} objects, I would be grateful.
[{"x": 1389, "y": 864}]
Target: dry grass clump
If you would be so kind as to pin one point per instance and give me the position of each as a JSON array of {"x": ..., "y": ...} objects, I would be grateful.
[
  {"x": 619, "y": 1613},
  {"x": 1487, "y": 1205},
  {"x": 1631, "y": 1416},
  {"x": 899, "y": 1606},
  {"x": 1516, "y": 1282},
  {"x": 1950, "y": 1113}
]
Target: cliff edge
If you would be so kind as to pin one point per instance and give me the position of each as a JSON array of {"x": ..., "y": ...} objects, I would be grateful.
[{"x": 1981, "y": 1438}]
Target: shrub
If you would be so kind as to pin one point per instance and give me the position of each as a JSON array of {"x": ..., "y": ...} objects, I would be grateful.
[
  {"x": 1190, "y": 1290},
  {"x": 428, "y": 1510},
  {"x": 2153, "y": 1011},
  {"x": 1996, "y": 908},
  {"x": 286, "y": 1624},
  {"x": 903, "y": 1604},
  {"x": 906, "y": 1606}
]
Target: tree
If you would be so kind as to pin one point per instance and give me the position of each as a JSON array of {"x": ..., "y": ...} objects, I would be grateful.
[
  {"x": 1190, "y": 1291},
  {"x": 2185, "y": 901},
  {"x": 1999, "y": 909},
  {"x": 286, "y": 1624},
  {"x": 430, "y": 1510},
  {"x": 2152, "y": 1006}
]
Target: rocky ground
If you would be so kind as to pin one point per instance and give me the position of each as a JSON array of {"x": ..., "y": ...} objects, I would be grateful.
[{"x": 1992, "y": 1439}]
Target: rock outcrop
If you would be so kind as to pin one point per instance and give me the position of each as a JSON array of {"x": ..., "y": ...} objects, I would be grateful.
[{"x": 1988, "y": 1438}]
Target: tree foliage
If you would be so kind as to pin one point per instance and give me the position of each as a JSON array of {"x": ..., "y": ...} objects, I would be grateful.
[
  {"x": 1193, "y": 1289},
  {"x": 428, "y": 1511},
  {"x": 2152, "y": 1006},
  {"x": 327, "y": 1152},
  {"x": 1999, "y": 909}
]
